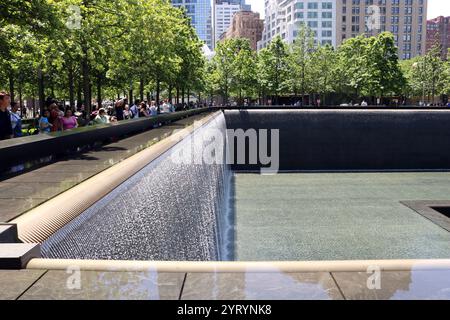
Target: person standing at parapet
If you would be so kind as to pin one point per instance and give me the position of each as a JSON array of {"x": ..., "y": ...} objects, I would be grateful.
[
  {"x": 102, "y": 117},
  {"x": 6, "y": 131},
  {"x": 119, "y": 108},
  {"x": 135, "y": 110},
  {"x": 153, "y": 109},
  {"x": 16, "y": 120}
]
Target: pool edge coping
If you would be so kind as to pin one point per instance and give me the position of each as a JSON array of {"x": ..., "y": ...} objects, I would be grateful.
[{"x": 240, "y": 267}]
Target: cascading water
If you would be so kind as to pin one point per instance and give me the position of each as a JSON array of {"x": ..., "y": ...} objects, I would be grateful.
[{"x": 170, "y": 210}]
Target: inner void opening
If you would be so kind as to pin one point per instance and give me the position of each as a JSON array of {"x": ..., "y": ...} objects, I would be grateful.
[{"x": 442, "y": 210}]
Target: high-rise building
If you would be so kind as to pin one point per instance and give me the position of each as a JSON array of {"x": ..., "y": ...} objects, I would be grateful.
[
  {"x": 406, "y": 19},
  {"x": 334, "y": 21},
  {"x": 245, "y": 24},
  {"x": 223, "y": 12},
  {"x": 438, "y": 33},
  {"x": 244, "y": 6},
  {"x": 284, "y": 17},
  {"x": 200, "y": 13}
]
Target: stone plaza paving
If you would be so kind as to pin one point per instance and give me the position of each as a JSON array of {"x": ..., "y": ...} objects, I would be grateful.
[{"x": 58, "y": 284}]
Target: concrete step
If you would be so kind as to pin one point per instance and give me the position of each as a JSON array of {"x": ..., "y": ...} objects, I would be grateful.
[{"x": 17, "y": 255}]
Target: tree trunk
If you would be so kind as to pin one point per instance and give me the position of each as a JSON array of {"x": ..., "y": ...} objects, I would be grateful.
[
  {"x": 170, "y": 93},
  {"x": 33, "y": 105},
  {"x": 240, "y": 96},
  {"x": 11, "y": 87},
  {"x": 130, "y": 96},
  {"x": 158, "y": 89},
  {"x": 433, "y": 92},
  {"x": 225, "y": 98},
  {"x": 41, "y": 91},
  {"x": 277, "y": 85},
  {"x": 99, "y": 91},
  {"x": 20, "y": 98},
  {"x": 141, "y": 89},
  {"x": 182, "y": 95},
  {"x": 71, "y": 88},
  {"x": 188, "y": 96},
  {"x": 178, "y": 95},
  {"x": 86, "y": 82},
  {"x": 79, "y": 95}
]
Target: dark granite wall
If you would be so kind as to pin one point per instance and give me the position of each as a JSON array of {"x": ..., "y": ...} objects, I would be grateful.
[{"x": 353, "y": 139}]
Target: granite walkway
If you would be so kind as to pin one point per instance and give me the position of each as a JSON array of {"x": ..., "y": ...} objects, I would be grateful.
[{"x": 53, "y": 284}]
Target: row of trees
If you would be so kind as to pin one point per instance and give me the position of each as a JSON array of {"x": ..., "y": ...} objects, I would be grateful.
[
  {"x": 427, "y": 76},
  {"x": 85, "y": 49},
  {"x": 360, "y": 67}
]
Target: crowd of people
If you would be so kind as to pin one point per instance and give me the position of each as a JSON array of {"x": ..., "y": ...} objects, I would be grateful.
[{"x": 58, "y": 117}]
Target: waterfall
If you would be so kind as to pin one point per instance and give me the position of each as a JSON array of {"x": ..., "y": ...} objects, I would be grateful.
[{"x": 168, "y": 211}]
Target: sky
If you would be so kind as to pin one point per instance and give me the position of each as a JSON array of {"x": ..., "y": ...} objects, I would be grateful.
[{"x": 435, "y": 7}]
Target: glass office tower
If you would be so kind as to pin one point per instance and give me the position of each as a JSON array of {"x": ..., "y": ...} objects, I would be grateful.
[{"x": 200, "y": 12}]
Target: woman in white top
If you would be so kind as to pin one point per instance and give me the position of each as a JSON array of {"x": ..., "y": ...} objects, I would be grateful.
[
  {"x": 153, "y": 109},
  {"x": 102, "y": 117}
]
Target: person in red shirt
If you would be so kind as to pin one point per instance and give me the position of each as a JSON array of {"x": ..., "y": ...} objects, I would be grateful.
[{"x": 54, "y": 117}]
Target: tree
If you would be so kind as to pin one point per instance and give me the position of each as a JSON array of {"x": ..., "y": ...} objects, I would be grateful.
[
  {"x": 211, "y": 80},
  {"x": 24, "y": 26},
  {"x": 63, "y": 48},
  {"x": 189, "y": 48},
  {"x": 300, "y": 79},
  {"x": 352, "y": 64},
  {"x": 427, "y": 76},
  {"x": 323, "y": 61},
  {"x": 264, "y": 56},
  {"x": 370, "y": 66},
  {"x": 36, "y": 15},
  {"x": 223, "y": 69},
  {"x": 275, "y": 78},
  {"x": 244, "y": 70},
  {"x": 233, "y": 69},
  {"x": 384, "y": 72}
]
